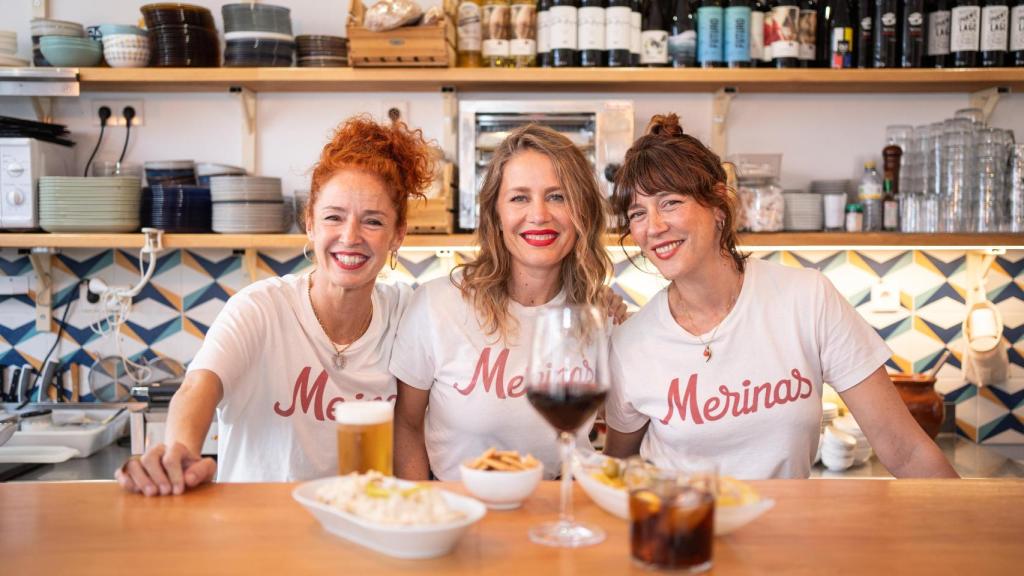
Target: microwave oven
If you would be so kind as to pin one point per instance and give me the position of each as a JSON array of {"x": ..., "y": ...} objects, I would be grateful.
[
  {"x": 22, "y": 162},
  {"x": 602, "y": 130}
]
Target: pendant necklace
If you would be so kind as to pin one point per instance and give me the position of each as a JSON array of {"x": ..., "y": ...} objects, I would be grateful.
[
  {"x": 707, "y": 344},
  {"x": 338, "y": 361}
]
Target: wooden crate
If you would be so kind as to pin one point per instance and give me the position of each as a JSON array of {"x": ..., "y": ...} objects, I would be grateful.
[
  {"x": 409, "y": 46},
  {"x": 436, "y": 214}
]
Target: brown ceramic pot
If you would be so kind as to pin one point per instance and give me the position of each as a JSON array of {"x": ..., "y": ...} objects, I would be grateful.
[{"x": 925, "y": 404}]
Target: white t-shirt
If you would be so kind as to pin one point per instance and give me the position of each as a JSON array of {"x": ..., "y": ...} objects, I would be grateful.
[
  {"x": 280, "y": 384},
  {"x": 755, "y": 408},
  {"x": 476, "y": 381}
]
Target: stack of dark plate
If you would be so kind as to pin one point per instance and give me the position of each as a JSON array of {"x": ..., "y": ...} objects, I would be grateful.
[
  {"x": 176, "y": 208},
  {"x": 322, "y": 51},
  {"x": 181, "y": 35},
  {"x": 257, "y": 35}
]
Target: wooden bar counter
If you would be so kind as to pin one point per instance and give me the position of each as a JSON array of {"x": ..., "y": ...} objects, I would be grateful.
[{"x": 817, "y": 527}]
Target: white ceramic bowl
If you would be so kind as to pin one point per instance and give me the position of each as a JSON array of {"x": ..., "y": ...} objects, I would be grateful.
[
  {"x": 119, "y": 57},
  {"x": 410, "y": 542},
  {"x": 125, "y": 41},
  {"x": 616, "y": 502},
  {"x": 501, "y": 490}
]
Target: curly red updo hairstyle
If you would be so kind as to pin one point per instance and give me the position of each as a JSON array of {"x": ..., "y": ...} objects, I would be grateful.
[{"x": 396, "y": 154}]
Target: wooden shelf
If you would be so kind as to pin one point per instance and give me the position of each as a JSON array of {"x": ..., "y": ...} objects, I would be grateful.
[
  {"x": 894, "y": 240},
  {"x": 545, "y": 79}
]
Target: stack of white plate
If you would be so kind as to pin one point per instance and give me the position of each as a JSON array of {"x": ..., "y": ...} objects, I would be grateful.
[
  {"x": 837, "y": 449},
  {"x": 803, "y": 211},
  {"x": 96, "y": 204},
  {"x": 862, "y": 451},
  {"x": 829, "y": 412},
  {"x": 9, "y": 49},
  {"x": 247, "y": 204}
]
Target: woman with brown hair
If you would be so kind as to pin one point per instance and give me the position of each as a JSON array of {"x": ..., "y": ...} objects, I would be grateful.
[
  {"x": 285, "y": 351},
  {"x": 727, "y": 363},
  {"x": 461, "y": 346}
]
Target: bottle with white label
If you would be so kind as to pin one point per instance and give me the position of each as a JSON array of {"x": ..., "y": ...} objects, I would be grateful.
[
  {"x": 767, "y": 34},
  {"x": 841, "y": 28},
  {"x": 636, "y": 27},
  {"x": 523, "y": 44},
  {"x": 938, "y": 33},
  {"x": 1017, "y": 34},
  {"x": 995, "y": 33},
  {"x": 653, "y": 35},
  {"x": 965, "y": 33},
  {"x": 682, "y": 41},
  {"x": 543, "y": 33},
  {"x": 467, "y": 22},
  {"x": 756, "y": 32},
  {"x": 737, "y": 33},
  {"x": 562, "y": 28},
  {"x": 785, "y": 46},
  {"x": 496, "y": 32},
  {"x": 710, "y": 34},
  {"x": 590, "y": 33},
  {"x": 618, "y": 33},
  {"x": 912, "y": 35},
  {"x": 864, "y": 52},
  {"x": 886, "y": 27}
]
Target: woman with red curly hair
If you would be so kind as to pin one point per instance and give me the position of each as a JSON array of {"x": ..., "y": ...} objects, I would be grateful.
[{"x": 285, "y": 351}]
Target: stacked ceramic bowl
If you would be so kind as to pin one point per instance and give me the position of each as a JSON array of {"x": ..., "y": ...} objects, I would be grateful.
[
  {"x": 321, "y": 51},
  {"x": 169, "y": 172},
  {"x": 177, "y": 208},
  {"x": 76, "y": 204},
  {"x": 9, "y": 49},
  {"x": 247, "y": 205},
  {"x": 257, "y": 35},
  {"x": 803, "y": 211},
  {"x": 69, "y": 52},
  {"x": 837, "y": 449},
  {"x": 43, "y": 27},
  {"x": 181, "y": 35},
  {"x": 205, "y": 171},
  {"x": 862, "y": 451},
  {"x": 125, "y": 46}
]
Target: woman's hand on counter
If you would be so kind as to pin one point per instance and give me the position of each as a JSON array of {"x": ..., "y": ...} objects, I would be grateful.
[{"x": 162, "y": 471}]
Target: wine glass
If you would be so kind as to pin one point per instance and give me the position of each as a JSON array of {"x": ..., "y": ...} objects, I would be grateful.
[{"x": 567, "y": 383}]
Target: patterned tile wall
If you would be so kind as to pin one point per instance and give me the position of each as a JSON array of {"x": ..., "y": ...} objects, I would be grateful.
[{"x": 172, "y": 313}]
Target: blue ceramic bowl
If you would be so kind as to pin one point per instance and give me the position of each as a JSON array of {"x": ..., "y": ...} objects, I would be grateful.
[
  {"x": 111, "y": 29},
  {"x": 67, "y": 52}
]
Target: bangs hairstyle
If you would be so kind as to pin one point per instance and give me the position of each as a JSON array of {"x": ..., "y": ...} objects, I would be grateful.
[
  {"x": 485, "y": 281},
  {"x": 398, "y": 156},
  {"x": 667, "y": 160}
]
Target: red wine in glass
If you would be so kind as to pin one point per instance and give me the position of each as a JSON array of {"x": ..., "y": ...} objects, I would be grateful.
[{"x": 567, "y": 408}]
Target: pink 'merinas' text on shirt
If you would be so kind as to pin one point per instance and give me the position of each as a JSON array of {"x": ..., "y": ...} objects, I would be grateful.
[
  {"x": 748, "y": 401},
  {"x": 305, "y": 397}
]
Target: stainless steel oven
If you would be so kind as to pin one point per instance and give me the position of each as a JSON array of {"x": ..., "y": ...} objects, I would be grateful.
[{"x": 603, "y": 130}]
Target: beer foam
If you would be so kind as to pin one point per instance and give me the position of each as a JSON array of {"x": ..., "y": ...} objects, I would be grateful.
[{"x": 363, "y": 413}]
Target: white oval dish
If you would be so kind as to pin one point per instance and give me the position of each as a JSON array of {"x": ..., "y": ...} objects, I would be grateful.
[{"x": 409, "y": 542}]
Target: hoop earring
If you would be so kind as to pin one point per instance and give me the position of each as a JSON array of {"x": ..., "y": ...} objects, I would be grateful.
[
  {"x": 305, "y": 252},
  {"x": 393, "y": 259}
]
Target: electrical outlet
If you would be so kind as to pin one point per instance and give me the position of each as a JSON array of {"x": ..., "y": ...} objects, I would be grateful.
[
  {"x": 885, "y": 297},
  {"x": 83, "y": 305},
  {"x": 117, "y": 112},
  {"x": 393, "y": 110}
]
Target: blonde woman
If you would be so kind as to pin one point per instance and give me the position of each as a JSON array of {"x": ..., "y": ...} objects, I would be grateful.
[{"x": 460, "y": 347}]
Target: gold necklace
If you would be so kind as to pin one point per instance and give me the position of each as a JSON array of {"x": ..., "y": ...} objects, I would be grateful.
[
  {"x": 339, "y": 352},
  {"x": 707, "y": 345}
]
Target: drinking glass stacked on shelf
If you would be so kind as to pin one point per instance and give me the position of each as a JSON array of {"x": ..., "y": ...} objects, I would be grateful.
[{"x": 957, "y": 176}]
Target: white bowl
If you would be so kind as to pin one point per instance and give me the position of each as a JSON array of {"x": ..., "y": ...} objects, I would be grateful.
[
  {"x": 501, "y": 490},
  {"x": 834, "y": 462},
  {"x": 616, "y": 501},
  {"x": 410, "y": 542}
]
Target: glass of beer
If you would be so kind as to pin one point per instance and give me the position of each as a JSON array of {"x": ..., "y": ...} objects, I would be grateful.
[
  {"x": 672, "y": 517},
  {"x": 365, "y": 434}
]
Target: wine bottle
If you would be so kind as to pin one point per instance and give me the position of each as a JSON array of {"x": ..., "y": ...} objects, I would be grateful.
[
  {"x": 965, "y": 33},
  {"x": 1017, "y": 35},
  {"x": 682, "y": 43},
  {"x": 756, "y": 32},
  {"x": 840, "y": 34},
  {"x": 995, "y": 20},
  {"x": 710, "y": 34},
  {"x": 807, "y": 32},
  {"x": 938, "y": 33},
  {"x": 562, "y": 26},
  {"x": 737, "y": 33},
  {"x": 912, "y": 52},
  {"x": 654, "y": 35},
  {"x": 618, "y": 33},
  {"x": 636, "y": 46},
  {"x": 523, "y": 45},
  {"x": 865, "y": 49},
  {"x": 886, "y": 28},
  {"x": 591, "y": 33},
  {"x": 467, "y": 21},
  {"x": 785, "y": 44},
  {"x": 496, "y": 33}
]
